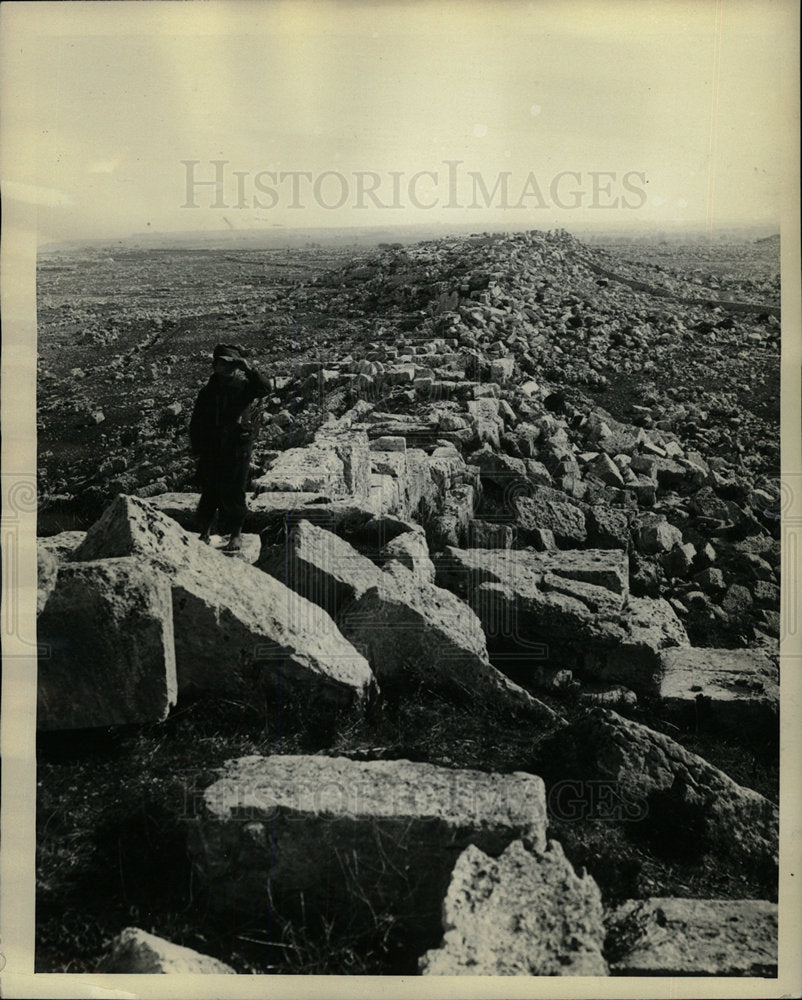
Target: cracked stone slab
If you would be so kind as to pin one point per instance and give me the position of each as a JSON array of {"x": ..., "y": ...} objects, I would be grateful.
[{"x": 353, "y": 838}]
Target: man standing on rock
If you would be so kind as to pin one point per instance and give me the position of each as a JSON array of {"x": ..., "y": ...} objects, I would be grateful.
[{"x": 221, "y": 432}]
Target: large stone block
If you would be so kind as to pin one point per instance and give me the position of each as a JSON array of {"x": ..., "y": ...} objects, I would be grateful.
[
  {"x": 523, "y": 914},
  {"x": 106, "y": 646},
  {"x": 236, "y": 628},
  {"x": 543, "y": 507},
  {"x": 463, "y": 569},
  {"x": 313, "y": 469},
  {"x": 693, "y": 937},
  {"x": 411, "y": 550},
  {"x": 321, "y": 567},
  {"x": 181, "y": 507},
  {"x": 345, "y": 840},
  {"x": 569, "y": 608},
  {"x": 414, "y": 633},
  {"x": 700, "y": 805},
  {"x": 733, "y": 688},
  {"x": 61, "y": 545}
]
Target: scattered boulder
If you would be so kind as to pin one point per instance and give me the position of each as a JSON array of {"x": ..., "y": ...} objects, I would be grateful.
[
  {"x": 543, "y": 507},
  {"x": 135, "y": 952},
  {"x": 525, "y": 913},
  {"x": 608, "y": 528},
  {"x": 656, "y": 535}
]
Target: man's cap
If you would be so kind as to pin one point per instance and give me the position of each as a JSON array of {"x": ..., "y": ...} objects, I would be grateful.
[{"x": 228, "y": 352}]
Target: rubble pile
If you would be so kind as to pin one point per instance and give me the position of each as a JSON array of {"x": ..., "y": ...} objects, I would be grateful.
[{"x": 465, "y": 519}]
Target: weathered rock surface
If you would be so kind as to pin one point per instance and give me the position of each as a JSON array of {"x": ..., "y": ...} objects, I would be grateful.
[
  {"x": 234, "y": 625},
  {"x": 571, "y": 607},
  {"x": 414, "y": 633},
  {"x": 351, "y": 838},
  {"x": 732, "y": 687},
  {"x": 543, "y": 507},
  {"x": 46, "y": 573},
  {"x": 321, "y": 567},
  {"x": 523, "y": 914},
  {"x": 693, "y": 937},
  {"x": 700, "y": 802},
  {"x": 106, "y": 653},
  {"x": 411, "y": 550},
  {"x": 135, "y": 952},
  {"x": 61, "y": 545}
]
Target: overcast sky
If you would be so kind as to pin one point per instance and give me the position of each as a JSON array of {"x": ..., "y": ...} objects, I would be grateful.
[{"x": 630, "y": 113}]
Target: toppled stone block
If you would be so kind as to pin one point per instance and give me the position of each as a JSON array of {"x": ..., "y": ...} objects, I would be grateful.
[
  {"x": 693, "y": 937},
  {"x": 135, "y": 952},
  {"x": 106, "y": 646},
  {"x": 345, "y": 840},
  {"x": 734, "y": 688},
  {"x": 650, "y": 627},
  {"x": 236, "y": 628},
  {"x": 321, "y": 567},
  {"x": 522, "y": 914},
  {"x": 571, "y": 609},
  {"x": 543, "y": 507},
  {"x": 411, "y": 550},
  {"x": 414, "y": 633},
  {"x": 181, "y": 507},
  {"x": 703, "y": 806}
]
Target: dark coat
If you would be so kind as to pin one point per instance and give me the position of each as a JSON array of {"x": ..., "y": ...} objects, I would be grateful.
[{"x": 225, "y": 421}]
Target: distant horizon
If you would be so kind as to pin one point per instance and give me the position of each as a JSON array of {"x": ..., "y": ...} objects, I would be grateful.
[{"x": 759, "y": 230}]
